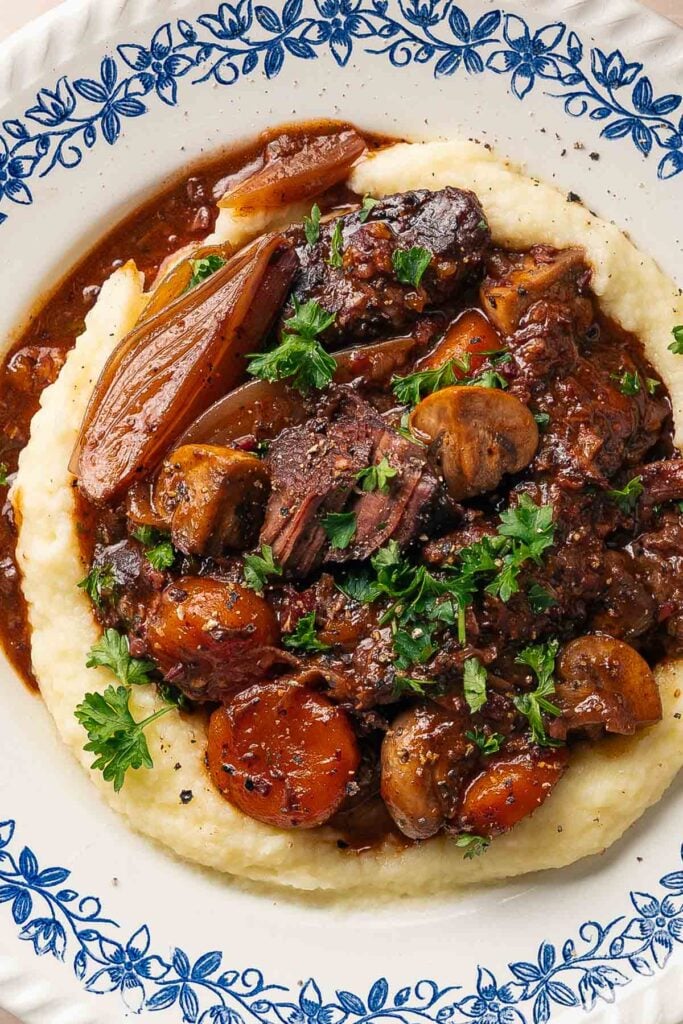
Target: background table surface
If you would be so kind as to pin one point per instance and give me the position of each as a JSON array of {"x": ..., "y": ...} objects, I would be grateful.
[{"x": 14, "y": 15}]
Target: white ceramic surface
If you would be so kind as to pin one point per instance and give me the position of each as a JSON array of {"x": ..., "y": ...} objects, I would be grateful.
[{"x": 117, "y": 156}]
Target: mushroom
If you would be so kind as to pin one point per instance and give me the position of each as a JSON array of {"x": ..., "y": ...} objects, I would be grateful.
[
  {"x": 604, "y": 682},
  {"x": 423, "y": 755},
  {"x": 214, "y": 497},
  {"x": 478, "y": 435}
]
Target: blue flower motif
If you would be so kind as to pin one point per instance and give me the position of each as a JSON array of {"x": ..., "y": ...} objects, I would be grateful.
[
  {"x": 612, "y": 70},
  {"x": 659, "y": 924},
  {"x": 129, "y": 968},
  {"x": 424, "y": 13},
  {"x": 343, "y": 24},
  {"x": 158, "y": 66},
  {"x": 53, "y": 106},
  {"x": 492, "y": 1005},
  {"x": 47, "y": 936},
  {"x": 13, "y": 169},
  {"x": 528, "y": 55},
  {"x": 231, "y": 21},
  {"x": 600, "y": 983},
  {"x": 312, "y": 1010}
]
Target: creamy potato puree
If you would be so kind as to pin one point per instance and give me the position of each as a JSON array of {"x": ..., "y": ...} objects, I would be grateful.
[{"x": 608, "y": 785}]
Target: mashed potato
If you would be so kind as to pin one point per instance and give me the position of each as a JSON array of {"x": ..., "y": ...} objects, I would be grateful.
[{"x": 609, "y": 785}]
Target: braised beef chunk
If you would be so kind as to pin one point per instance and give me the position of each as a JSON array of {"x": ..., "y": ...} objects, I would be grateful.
[
  {"x": 658, "y": 556},
  {"x": 314, "y": 470},
  {"x": 364, "y": 292}
]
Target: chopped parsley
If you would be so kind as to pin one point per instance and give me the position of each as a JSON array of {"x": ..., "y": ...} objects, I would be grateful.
[
  {"x": 651, "y": 384},
  {"x": 408, "y": 685},
  {"x": 627, "y": 497},
  {"x": 204, "y": 268},
  {"x": 312, "y": 225},
  {"x": 299, "y": 354},
  {"x": 487, "y": 379},
  {"x": 257, "y": 568},
  {"x": 304, "y": 637},
  {"x": 473, "y": 845},
  {"x": 112, "y": 651},
  {"x": 676, "y": 346},
  {"x": 540, "y": 658},
  {"x": 4, "y": 470},
  {"x": 542, "y": 420},
  {"x": 376, "y": 478},
  {"x": 539, "y": 599},
  {"x": 414, "y": 386},
  {"x": 368, "y": 204},
  {"x": 413, "y": 647},
  {"x": 336, "y": 258},
  {"x": 159, "y": 550},
  {"x": 629, "y": 383},
  {"x": 99, "y": 584},
  {"x": 488, "y": 745},
  {"x": 410, "y": 264},
  {"x": 474, "y": 682},
  {"x": 340, "y": 528}
]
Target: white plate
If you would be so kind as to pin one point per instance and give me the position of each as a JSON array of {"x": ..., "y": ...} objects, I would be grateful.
[{"x": 584, "y": 93}]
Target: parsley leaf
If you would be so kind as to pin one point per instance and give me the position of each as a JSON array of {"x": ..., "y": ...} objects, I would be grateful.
[
  {"x": 676, "y": 345},
  {"x": 336, "y": 259},
  {"x": 257, "y": 568},
  {"x": 473, "y": 845},
  {"x": 4, "y": 470},
  {"x": 359, "y": 586},
  {"x": 627, "y": 497},
  {"x": 204, "y": 268},
  {"x": 540, "y": 658},
  {"x": 98, "y": 584},
  {"x": 413, "y": 648},
  {"x": 474, "y": 680},
  {"x": 629, "y": 383},
  {"x": 487, "y": 379},
  {"x": 487, "y": 744},
  {"x": 410, "y": 264},
  {"x": 414, "y": 386},
  {"x": 529, "y": 523},
  {"x": 376, "y": 478},
  {"x": 159, "y": 551},
  {"x": 113, "y": 734},
  {"x": 651, "y": 384},
  {"x": 299, "y": 354},
  {"x": 539, "y": 599},
  {"x": 112, "y": 651},
  {"x": 407, "y": 685},
  {"x": 312, "y": 225},
  {"x": 304, "y": 637},
  {"x": 340, "y": 528},
  {"x": 368, "y": 204}
]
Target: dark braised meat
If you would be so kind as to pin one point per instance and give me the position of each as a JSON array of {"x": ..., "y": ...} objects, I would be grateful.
[
  {"x": 313, "y": 472},
  {"x": 658, "y": 555},
  {"x": 364, "y": 292}
]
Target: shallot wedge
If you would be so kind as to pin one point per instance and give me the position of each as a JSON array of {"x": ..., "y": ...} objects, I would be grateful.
[
  {"x": 315, "y": 165},
  {"x": 171, "y": 367}
]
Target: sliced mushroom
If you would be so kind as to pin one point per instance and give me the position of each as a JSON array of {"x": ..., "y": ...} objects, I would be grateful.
[
  {"x": 509, "y": 292},
  {"x": 478, "y": 435},
  {"x": 423, "y": 759},
  {"x": 214, "y": 498},
  {"x": 604, "y": 682}
]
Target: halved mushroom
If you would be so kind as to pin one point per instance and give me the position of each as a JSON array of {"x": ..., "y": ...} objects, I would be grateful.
[
  {"x": 603, "y": 682},
  {"x": 170, "y": 368},
  {"x": 213, "y": 497},
  {"x": 424, "y": 756},
  {"x": 508, "y": 292},
  {"x": 304, "y": 168},
  {"x": 478, "y": 435}
]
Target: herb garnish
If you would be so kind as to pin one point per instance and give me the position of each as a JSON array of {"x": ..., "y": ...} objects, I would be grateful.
[
  {"x": 159, "y": 551},
  {"x": 312, "y": 225},
  {"x": 542, "y": 420},
  {"x": 368, "y": 203},
  {"x": 299, "y": 354},
  {"x": 112, "y": 651},
  {"x": 408, "y": 685},
  {"x": 540, "y": 658},
  {"x": 473, "y": 845},
  {"x": 336, "y": 259},
  {"x": 487, "y": 744},
  {"x": 304, "y": 637},
  {"x": 539, "y": 599},
  {"x": 340, "y": 528},
  {"x": 257, "y": 568},
  {"x": 414, "y": 386},
  {"x": 629, "y": 383},
  {"x": 627, "y": 497},
  {"x": 98, "y": 584},
  {"x": 4, "y": 470},
  {"x": 410, "y": 264},
  {"x": 474, "y": 682},
  {"x": 376, "y": 478},
  {"x": 204, "y": 268},
  {"x": 676, "y": 346}
]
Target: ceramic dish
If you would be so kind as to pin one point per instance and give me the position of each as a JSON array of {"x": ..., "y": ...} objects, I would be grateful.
[{"x": 100, "y": 104}]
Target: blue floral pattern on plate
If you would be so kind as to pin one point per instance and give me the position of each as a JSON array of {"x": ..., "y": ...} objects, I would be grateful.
[
  {"x": 60, "y": 922},
  {"x": 239, "y": 39}
]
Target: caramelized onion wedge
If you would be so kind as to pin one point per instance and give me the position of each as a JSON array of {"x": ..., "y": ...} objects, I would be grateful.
[
  {"x": 509, "y": 789},
  {"x": 604, "y": 682},
  {"x": 479, "y": 434},
  {"x": 316, "y": 165},
  {"x": 264, "y": 409},
  {"x": 177, "y": 281},
  {"x": 283, "y": 754},
  {"x": 175, "y": 365}
]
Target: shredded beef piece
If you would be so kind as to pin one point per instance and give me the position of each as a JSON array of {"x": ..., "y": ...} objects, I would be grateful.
[
  {"x": 136, "y": 581},
  {"x": 658, "y": 555},
  {"x": 365, "y": 293}
]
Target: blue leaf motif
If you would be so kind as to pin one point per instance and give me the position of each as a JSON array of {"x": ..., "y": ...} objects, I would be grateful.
[
  {"x": 274, "y": 60},
  {"x": 186, "y": 31},
  {"x": 16, "y": 130},
  {"x": 460, "y": 24},
  {"x": 562, "y": 994},
  {"x": 206, "y": 965},
  {"x": 22, "y": 906},
  {"x": 189, "y": 1004},
  {"x": 251, "y": 60},
  {"x": 546, "y": 957},
  {"x": 299, "y": 47},
  {"x": 109, "y": 73},
  {"x": 378, "y": 995},
  {"x": 666, "y": 105},
  {"x": 351, "y": 1003},
  {"x": 541, "y": 1008},
  {"x": 111, "y": 126},
  {"x": 28, "y": 865},
  {"x": 448, "y": 64},
  {"x": 90, "y": 90},
  {"x": 402, "y": 997},
  {"x": 67, "y": 895},
  {"x": 181, "y": 964},
  {"x": 291, "y": 12},
  {"x": 268, "y": 19},
  {"x": 525, "y": 972},
  {"x": 80, "y": 964},
  {"x": 164, "y": 998},
  {"x": 486, "y": 25},
  {"x": 574, "y": 49},
  {"x": 51, "y": 876}
]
